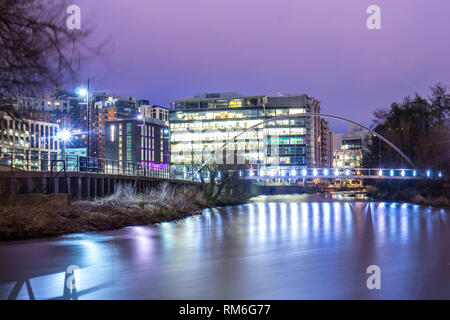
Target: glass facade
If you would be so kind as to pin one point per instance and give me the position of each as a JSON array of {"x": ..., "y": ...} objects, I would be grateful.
[
  {"x": 27, "y": 144},
  {"x": 348, "y": 151},
  {"x": 201, "y": 127},
  {"x": 347, "y": 159}
]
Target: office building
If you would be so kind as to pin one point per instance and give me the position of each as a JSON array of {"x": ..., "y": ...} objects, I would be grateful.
[
  {"x": 349, "y": 148},
  {"x": 200, "y": 125},
  {"x": 27, "y": 144}
]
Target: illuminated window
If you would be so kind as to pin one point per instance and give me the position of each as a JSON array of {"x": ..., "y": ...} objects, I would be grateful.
[
  {"x": 113, "y": 128},
  {"x": 235, "y": 103}
]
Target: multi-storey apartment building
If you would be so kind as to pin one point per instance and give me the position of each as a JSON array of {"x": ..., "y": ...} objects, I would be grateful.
[
  {"x": 70, "y": 110},
  {"x": 326, "y": 144},
  {"x": 27, "y": 144},
  {"x": 154, "y": 112},
  {"x": 102, "y": 108},
  {"x": 144, "y": 141},
  {"x": 201, "y": 125},
  {"x": 56, "y": 101},
  {"x": 59, "y": 107}
]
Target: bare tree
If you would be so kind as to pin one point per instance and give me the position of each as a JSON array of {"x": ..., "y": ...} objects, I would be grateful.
[{"x": 37, "y": 50}]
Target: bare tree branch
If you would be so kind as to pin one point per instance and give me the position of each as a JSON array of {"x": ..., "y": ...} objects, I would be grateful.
[{"x": 37, "y": 51}]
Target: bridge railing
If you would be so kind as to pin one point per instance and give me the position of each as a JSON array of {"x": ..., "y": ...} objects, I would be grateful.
[
  {"x": 31, "y": 162},
  {"x": 296, "y": 173},
  {"x": 341, "y": 173}
]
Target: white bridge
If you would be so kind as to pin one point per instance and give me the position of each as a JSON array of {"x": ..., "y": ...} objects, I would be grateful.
[{"x": 267, "y": 173}]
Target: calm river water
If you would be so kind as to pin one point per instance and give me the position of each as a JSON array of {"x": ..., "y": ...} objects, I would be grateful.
[{"x": 285, "y": 247}]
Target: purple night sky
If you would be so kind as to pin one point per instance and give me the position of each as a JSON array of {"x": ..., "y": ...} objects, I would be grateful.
[{"x": 168, "y": 49}]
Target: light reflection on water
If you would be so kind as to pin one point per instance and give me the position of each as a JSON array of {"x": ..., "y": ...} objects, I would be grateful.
[{"x": 275, "y": 250}]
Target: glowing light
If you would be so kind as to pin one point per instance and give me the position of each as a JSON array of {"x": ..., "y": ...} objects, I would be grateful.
[
  {"x": 347, "y": 172},
  {"x": 428, "y": 173},
  {"x": 64, "y": 135},
  {"x": 403, "y": 173},
  {"x": 315, "y": 172},
  {"x": 304, "y": 172},
  {"x": 240, "y": 173},
  {"x": 440, "y": 174},
  {"x": 325, "y": 172},
  {"x": 250, "y": 173},
  {"x": 414, "y": 173},
  {"x": 336, "y": 172},
  {"x": 261, "y": 173},
  {"x": 235, "y": 103},
  {"x": 82, "y": 92},
  {"x": 140, "y": 117},
  {"x": 293, "y": 172},
  {"x": 113, "y": 128},
  {"x": 380, "y": 173},
  {"x": 392, "y": 173}
]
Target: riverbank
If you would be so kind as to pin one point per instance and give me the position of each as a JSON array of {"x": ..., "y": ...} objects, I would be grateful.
[
  {"x": 127, "y": 208},
  {"x": 432, "y": 193},
  {"x": 124, "y": 208}
]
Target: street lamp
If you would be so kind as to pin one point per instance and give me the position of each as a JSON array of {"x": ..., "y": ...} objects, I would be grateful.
[
  {"x": 64, "y": 135},
  {"x": 83, "y": 92},
  {"x": 141, "y": 117}
]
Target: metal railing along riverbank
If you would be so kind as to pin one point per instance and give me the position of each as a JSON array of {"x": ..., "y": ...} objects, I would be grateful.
[{"x": 51, "y": 162}]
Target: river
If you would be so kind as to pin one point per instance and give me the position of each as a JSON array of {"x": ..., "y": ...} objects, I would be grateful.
[{"x": 284, "y": 247}]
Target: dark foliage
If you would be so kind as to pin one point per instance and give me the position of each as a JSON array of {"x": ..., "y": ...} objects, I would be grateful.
[{"x": 419, "y": 127}]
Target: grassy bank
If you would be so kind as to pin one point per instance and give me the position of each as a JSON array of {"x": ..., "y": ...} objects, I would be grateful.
[{"x": 124, "y": 208}]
